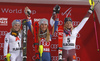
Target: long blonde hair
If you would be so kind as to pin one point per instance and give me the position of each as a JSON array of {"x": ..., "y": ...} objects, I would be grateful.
[{"x": 47, "y": 35}]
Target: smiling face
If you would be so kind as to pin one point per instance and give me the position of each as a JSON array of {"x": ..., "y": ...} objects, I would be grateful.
[
  {"x": 16, "y": 27},
  {"x": 68, "y": 24},
  {"x": 43, "y": 27}
]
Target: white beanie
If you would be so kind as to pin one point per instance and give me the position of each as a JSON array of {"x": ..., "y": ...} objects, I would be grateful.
[
  {"x": 16, "y": 22},
  {"x": 43, "y": 21}
]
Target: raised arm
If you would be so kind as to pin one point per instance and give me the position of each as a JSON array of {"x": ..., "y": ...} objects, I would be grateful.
[
  {"x": 84, "y": 20},
  {"x": 29, "y": 20},
  {"x": 55, "y": 18}
]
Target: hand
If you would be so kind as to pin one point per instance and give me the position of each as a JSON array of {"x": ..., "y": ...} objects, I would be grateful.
[
  {"x": 92, "y": 7},
  {"x": 5, "y": 59},
  {"x": 54, "y": 16},
  {"x": 56, "y": 9},
  {"x": 27, "y": 11}
]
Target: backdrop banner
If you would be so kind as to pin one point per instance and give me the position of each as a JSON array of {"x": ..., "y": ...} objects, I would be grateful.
[{"x": 86, "y": 47}]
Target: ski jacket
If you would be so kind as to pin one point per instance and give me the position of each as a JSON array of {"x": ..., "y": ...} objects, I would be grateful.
[
  {"x": 69, "y": 41},
  {"x": 13, "y": 42}
]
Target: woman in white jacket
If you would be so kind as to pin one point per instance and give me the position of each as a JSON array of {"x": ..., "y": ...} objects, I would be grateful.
[
  {"x": 13, "y": 39},
  {"x": 69, "y": 36}
]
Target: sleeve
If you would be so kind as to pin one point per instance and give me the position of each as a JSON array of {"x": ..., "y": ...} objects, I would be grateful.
[
  {"x": 82, "y": 23},
  {"x": 29, "y": 24},
  {"x": 52, "y": 22},
  {"x": 54, "y": 25},
  {"x": 6, "y": 42}
]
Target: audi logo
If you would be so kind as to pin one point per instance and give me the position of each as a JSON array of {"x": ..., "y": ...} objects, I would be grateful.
[
  {"x": 33, "y": 58},
  {"x": 77, "y": 47},
  {"x": 2, "y": 33},
  {"x": 54, "y": 58},
  {"x": 1, "y": 57},
  {"x": 54, "y": 46},
  {"x": 33, "y": 47},
  {"x": 78, "y": 58},
  {"x": 55, "y": 34},
  {"x": 78, "y": 35},
  {"x": 33, "y": 12},
  {"x": 75, "y": 23},
  {"x": 1, "y": 45},
  {"x": 60, "y": 22}
]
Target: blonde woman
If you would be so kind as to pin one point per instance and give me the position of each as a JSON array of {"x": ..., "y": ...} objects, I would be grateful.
[
  {"x": 70, "y": 34},
  {"x": 44, "y": 35},
  {"x": 13, "y": 40}
]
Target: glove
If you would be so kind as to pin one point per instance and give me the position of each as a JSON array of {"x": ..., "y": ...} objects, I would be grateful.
[
  {"x": 54, "y": 16},
  {"x": 5, "y": 59},
  {"x": 56, "y": 9},
  {"x": 8, "y": 56},
  {"x": 40, "y": 50},
  {"x": 91, "y": 9},
  {"x": 27, "y": 11}
]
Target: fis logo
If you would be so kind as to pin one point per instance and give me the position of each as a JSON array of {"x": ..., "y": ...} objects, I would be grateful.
[
  {"x": 67, "y": 12},
  {"x": 3, "y": 21},
  {"x": 2, "y": 33}
]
